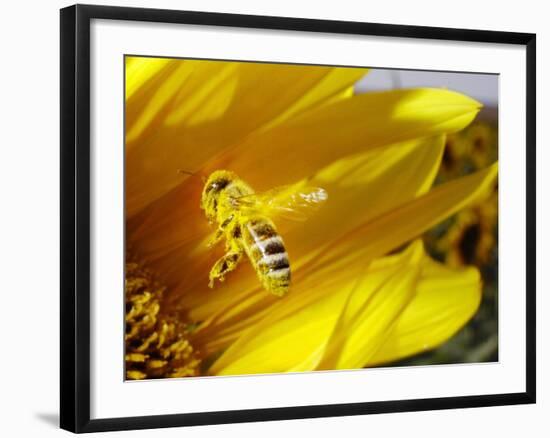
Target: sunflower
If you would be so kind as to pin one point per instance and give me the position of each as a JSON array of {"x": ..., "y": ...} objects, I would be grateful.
[
  {"x": 363, "y": 290},
  {"x": 472, "y": 237},
  {"x": 472, "y": 148}
]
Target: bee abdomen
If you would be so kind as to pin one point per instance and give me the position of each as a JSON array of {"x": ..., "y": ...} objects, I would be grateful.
[{"x": 268, "y": 255}]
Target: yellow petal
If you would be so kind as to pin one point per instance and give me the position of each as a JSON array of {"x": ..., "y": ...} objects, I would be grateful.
[
  {"x": 445, "y": 301},
  {"x": 140, "y": 70},
  {"x": 295, "y": 332},
  {"x": 194, "y": 109},
  {"x": 285, "y": 338},
  {"x": 391, "y": 230},
  {"x": 303, "y": 145},
  {"x": 365, "y": 186},
  {"x": 369, "y": 315},
  {"x": 336, "y": 85}
]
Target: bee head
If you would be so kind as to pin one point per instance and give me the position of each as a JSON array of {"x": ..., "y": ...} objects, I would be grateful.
[{"x": 214, "y": 186}]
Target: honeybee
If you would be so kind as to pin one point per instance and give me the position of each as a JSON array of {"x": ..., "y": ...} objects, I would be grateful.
[{"x": 243, "y": 218}]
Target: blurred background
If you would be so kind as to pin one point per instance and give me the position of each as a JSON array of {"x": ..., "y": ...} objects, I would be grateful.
[{"x": 471, "y": 236}]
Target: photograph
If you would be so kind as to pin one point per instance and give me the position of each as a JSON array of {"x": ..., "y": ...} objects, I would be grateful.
[{"x": 286, "y": 218}]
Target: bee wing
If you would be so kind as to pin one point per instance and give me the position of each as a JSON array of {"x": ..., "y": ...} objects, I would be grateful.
[{"x": 291, "y": 202}]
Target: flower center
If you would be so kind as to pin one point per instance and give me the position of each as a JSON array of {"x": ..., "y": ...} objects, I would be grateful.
[{"x": 157, "y": 344}]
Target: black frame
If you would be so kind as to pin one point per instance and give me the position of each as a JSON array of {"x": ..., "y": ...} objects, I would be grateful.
[{"x": 75, "y": 217}]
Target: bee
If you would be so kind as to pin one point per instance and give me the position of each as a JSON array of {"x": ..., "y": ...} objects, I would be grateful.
[{"x": 244, "y": 219}]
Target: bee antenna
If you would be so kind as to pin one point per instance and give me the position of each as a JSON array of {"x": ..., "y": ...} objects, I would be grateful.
[{"x": 185, "y": 172}]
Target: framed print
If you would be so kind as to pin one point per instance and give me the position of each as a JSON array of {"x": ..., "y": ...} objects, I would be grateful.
[{"x": 270, "y": 218}]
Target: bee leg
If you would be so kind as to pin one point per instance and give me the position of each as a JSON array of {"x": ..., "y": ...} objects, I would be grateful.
[
  {"x": 220, "y": 232},
  {"x": 212, "y": 241},
  {"x": 224, "y": 265}
]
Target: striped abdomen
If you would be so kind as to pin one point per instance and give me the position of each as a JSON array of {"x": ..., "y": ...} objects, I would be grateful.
[{"x": 267, "y": 253}]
